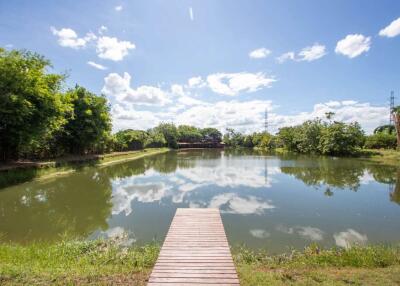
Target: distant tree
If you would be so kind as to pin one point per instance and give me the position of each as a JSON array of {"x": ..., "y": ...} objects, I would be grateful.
[
  {"x": 187, "y": 133},
  {"x": 170, "y": 133},
  {"x": 90, "y": 125},
  {"x": 233, "y": 138},
  {"x": 131, "y": 139},
  {"x": 389, "y": 129},
  {"x": 31, "y": 103},
  {"x": 329, "y": 115},
  {"x": 211, "y": 134},
  {"x": 340, "y": 138}
]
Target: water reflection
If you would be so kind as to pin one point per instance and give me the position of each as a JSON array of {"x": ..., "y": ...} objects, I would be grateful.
[{"x": 266, "y": 200}]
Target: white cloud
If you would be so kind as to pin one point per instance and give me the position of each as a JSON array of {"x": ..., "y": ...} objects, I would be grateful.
[
  {"x": 96, "y": 65},
  {"x": 118, "y": 8},
  {"x": 367, "y": 115},
  {"x": 309, "y": 54},
  {"x": 312, "y": 53},
  {"x": 69, "y": 38},
  {"x": 353, "y": 45},
  {"x": 196, "y": 82},
  {"x": 392, "y": 30},
  {"x": 191, "y": 14},
  {"x": 113, "y": 49},
  {"x": 349, "y": 238},
  {"x": 286, "y": 56},
  {"x": 259, "y": 233},
  {"x": 102, "y": 30},
  {"x": 118, "y": 87},
  {"x": 259, "y": 53},
  {"x": 233, "y": 83},
  {"x": 242, "y": 116}
]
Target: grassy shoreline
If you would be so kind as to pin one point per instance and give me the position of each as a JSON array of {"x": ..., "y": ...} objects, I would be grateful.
[
  {"x": 22, "y": 172},
  {"x": 105, "y": 262}
]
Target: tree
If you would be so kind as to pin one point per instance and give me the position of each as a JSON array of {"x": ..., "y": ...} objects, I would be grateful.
[
  {"x": 31, "y": 103},
  {"x": 340, "y": 138},
  {"x": 211, "y": 134},
  {"x": 89, "y": 127},
  {"x": 188, "y": 134},
  {"x": 170, "y": 133},
  {"x": 131, "y": 139}
]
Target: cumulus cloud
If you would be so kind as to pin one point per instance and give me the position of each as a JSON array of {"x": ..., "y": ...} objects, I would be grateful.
[
  {"x": 312, "y": 53},
  {"x": 96, "y": 65},
  {"x": 113, "y": 49},
  {"x": 69, "y": 38},
  {"x": 309, "y": 54},
  {"x": 109, "y": 48},
  {"x": 392, "y": 30},
  {"x": 353, "y": 45},
  {"x": 285, "y": 57},
  {"x": 367, "y": 115},
  {"x": 259, "y": 53},
  {"x": 118, "y": 87},
  {"x": 349, "y": 238},
  {"x": 233, "y": 83},
  {"x": 196, "y": 81},
  {"x": 102, "y": 30}
]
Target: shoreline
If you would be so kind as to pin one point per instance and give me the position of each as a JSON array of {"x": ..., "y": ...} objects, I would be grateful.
[
  {"x": 108, "y": 262},
  {"x": 26, "y": 171}
]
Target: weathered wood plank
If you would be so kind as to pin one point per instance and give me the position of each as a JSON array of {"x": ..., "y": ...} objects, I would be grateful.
[{"x": 195, "y": 251}]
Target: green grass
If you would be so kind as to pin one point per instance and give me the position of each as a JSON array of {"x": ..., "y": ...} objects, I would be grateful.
[
  {"x": 76, "y": 262},
  {"x": 385, "y": 156},
  {"x": 370, "y": 265},
  {"x": 106, "y": 262}
]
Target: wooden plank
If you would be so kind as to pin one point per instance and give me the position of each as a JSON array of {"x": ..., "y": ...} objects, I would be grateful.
[{"x": 195, "y": 251}]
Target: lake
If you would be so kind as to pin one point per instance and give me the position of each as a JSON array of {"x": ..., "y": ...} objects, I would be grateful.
[{"x": 266, "y": 200}]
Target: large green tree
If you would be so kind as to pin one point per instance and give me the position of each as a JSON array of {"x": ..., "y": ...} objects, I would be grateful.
[
  {"x": 31, "y": 103},
  {"x": 88, "y": 129}
]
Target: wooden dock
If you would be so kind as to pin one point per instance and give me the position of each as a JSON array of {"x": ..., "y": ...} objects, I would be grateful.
[{"x": 195, "y": 251}]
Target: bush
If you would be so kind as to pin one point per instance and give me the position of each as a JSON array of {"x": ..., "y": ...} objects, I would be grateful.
[{"x": 381, "y": 140}]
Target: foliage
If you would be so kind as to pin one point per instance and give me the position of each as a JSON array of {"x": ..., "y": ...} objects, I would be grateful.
[
  {"x": 189, "y": 134},
  {"x": 380, "y": 140},
  {"x": 233, "y": 138},
  {"x": 340, "y": 138},
  {"x": 131, "y": 139},
  {"x": 211, "y": 134},
  {"x": 388, "y": 129},
  {"x": 337, "y": 138},
  {"x": 170, "y": 133},
  {"x": 89, "y": 127},
  {"x": 31, "y": 103}
]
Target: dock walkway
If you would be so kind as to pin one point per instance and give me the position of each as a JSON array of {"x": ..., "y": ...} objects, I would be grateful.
[{"x": 195, "y": 251}]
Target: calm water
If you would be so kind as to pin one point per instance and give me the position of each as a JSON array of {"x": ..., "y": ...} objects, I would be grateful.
[{"x": 272, "y": 201}]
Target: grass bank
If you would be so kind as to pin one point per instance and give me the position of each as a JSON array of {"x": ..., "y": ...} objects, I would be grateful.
[
  {"x": 103, "y": 262},
  {"x": 24, "y": 171},
  {"x": 384, "y": 156},
  {"x": 370, "y": 265}
]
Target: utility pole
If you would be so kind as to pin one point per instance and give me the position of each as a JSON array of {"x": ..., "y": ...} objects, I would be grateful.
[
  {"x": 391, "y": 119},
  {"x": 266, "y": 121}
]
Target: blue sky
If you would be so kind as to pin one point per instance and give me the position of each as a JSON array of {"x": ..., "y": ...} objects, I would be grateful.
[{"x": 219, "y": 63}]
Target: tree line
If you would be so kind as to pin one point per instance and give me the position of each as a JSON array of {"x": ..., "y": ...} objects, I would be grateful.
[
  {"x": 42, "y": 118},
  {"x": 317, "y": 137}
]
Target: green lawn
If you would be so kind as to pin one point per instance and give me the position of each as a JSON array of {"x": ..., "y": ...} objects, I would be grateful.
[{"x": 105, "y": 262}]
